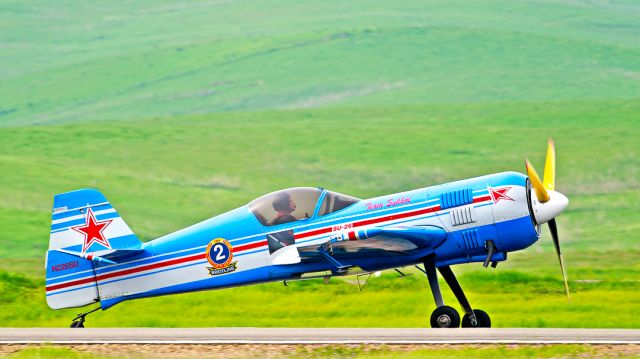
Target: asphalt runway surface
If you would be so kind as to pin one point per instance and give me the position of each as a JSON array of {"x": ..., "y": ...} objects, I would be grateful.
[{"x": 317, "y": 336}]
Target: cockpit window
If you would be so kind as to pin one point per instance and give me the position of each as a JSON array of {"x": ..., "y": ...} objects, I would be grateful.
[
  {"x": 285, "y": 206},
  {"x": 334, "y": 202}
]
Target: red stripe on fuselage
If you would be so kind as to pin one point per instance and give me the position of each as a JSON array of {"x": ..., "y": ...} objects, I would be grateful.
[
  {"x": 167, "y": 263},
  {"x": 104, "y": 276},
  {"x": 482, "y": 198},
  {"x": 244, "y": 247},
  {"x": 69, "y": 284},
  {"x": 313, "y": 232}
]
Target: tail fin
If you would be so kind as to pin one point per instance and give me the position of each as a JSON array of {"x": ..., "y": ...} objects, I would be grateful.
[{"x": 86, "y": 231}]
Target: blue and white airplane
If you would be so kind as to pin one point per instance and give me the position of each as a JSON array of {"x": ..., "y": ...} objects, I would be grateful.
[{"x": 300, "y": 233}]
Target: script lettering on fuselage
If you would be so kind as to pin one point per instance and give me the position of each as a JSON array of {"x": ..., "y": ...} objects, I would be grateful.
[
  {"x": 394, "y": 202},
  {"x": 391, "y": 202},
  {"x": 371, "y": 206}
]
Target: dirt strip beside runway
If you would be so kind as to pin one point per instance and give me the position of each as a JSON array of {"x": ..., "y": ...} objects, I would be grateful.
[{"x": 202, "y": 351}]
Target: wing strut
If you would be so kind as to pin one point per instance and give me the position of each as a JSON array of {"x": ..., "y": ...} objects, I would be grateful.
[{"x": 365, "y": 281}]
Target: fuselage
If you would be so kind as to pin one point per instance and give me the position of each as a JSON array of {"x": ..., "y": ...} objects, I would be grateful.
[{"x": 473, "y": 211}]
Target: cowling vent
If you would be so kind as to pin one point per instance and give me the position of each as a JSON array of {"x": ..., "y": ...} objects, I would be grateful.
[
  {"x": 471, "y": 238},
  {"x": 463, "y": 215},
  {"x": 456, "y": 198}
]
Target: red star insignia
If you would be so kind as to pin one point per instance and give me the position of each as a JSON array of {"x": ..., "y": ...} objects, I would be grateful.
[
  {"x": 92, "y": 231},
  {"x": 498, "y": 194}
]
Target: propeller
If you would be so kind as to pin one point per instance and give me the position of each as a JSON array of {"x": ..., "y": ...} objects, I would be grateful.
[
  {"x": 556, "y": 243},
  {"x": 547, "y": 204}
]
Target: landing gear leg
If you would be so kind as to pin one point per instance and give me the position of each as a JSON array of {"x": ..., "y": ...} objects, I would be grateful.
[
  {"x": 78, "y": 321},
  {"x": 473, "y": 318},
  {"x": 443, "y": 316},
  {"x": 336, "y": 266}
]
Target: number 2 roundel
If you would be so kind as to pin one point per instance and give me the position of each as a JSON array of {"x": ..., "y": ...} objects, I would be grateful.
[{"x": 219, "y": 253}]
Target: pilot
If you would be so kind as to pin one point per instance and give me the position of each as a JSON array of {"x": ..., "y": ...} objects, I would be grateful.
[{"x": 284, "y": 205}]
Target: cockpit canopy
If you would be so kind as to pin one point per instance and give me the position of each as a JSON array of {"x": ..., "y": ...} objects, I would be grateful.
[{"x": 296, "y": 204}]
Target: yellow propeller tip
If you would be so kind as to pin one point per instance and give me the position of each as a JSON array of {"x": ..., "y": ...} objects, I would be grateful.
[
  {"x": 541, "y": 192},
  {"x": 550, "y": 166}
]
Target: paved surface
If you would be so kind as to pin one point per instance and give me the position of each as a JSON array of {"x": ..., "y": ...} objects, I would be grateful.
[{"x": 316, "y": 335}]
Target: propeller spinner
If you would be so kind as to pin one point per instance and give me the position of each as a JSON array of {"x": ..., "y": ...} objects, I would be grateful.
[{"x": 547, "y": 204}]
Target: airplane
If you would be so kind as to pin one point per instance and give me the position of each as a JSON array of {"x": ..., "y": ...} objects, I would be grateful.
[{"x": 300, "y": 233}]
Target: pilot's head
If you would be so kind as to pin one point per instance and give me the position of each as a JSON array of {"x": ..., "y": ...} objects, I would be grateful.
[{"x": 283, "y": 203}]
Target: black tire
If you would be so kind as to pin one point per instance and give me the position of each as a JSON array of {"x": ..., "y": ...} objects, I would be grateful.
[
  {"x": 77, "y": 324},
  {"x": 482, "y": 318},
  {"x": 445, "y": 317}
]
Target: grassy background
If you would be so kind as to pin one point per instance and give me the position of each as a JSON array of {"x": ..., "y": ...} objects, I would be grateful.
[{"x": 179, "y": 111}]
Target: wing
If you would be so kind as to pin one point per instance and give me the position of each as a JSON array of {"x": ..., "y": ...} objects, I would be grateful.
[
  {"x": 364, "y": 243},
  {"x": 421, "y": 236}
]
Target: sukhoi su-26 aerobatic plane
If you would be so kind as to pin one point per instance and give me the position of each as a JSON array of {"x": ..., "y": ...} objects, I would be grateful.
[{"x": 300, "y": 233}]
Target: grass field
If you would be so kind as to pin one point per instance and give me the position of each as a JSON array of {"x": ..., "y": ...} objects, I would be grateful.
[{"x": 181, "y": 111}]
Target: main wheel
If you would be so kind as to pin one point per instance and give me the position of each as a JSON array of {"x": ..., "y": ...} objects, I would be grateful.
[
  {"x": 445, "y": 317},
  {"x": 482, "y": 320}
]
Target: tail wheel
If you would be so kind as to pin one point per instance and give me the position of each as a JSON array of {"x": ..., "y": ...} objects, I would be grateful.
[
  {"x": 445, "y": 317},
  {"x": 482, "y": 320}
]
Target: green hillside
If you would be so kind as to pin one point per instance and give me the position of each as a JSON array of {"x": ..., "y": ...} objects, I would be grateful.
[
  {"x": 181, "y": 111},
  {"x": 68, "y": 61}
]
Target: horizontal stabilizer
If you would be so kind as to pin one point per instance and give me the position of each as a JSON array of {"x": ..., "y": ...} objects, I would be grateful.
[
  {"x": 104, "y": 257},
  {"x": 87, "y": 256},
  {"x": 118, "y": 254},
  {"x": 351, "y": 247}
]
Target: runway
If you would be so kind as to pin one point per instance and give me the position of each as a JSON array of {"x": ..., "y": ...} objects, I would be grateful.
[{"x": 316, "y": 336}]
